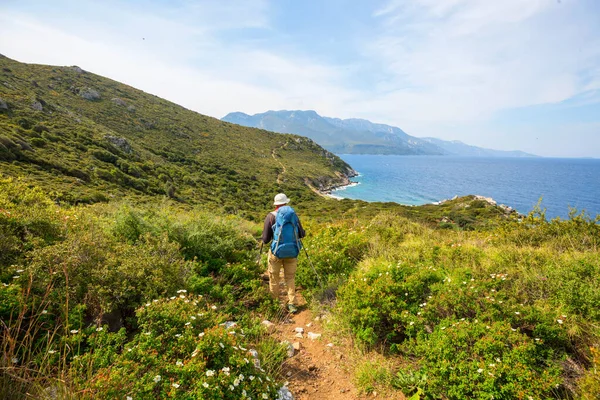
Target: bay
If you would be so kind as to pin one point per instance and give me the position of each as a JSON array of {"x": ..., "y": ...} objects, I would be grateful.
[{"x": 516, "y": 182}]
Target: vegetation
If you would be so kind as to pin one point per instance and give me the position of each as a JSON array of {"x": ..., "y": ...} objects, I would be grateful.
[{"x": 128, "y": 231}]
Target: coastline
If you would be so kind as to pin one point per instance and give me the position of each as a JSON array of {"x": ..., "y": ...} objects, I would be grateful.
[{"x": 346, "y": 183}]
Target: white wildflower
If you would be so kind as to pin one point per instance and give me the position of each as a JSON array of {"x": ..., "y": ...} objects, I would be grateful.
[
  {"x": 560, "y": 321},
  {"x": 236, "y": 382},
  {"x": 264, "y": 396},
  {"x": 51, "y": 351},
  {"x": 226, "y": 370},
  {"x": 201, "y": 334},
  {"x": 179, "y": 363},
  {"x": 99, "y": 329},
  {"x": 480, "y": 370},
  {"x": 210, "y": 372},
  {"x": 205, "y": 384},
  {"x": 175, "y": 385},
  {"x": 222, "y": 345},
  {"x": 231, "y": 388},
  {"x": 157, "y": 378},
  {"x": 214, "y": 307},
  {"x": 251, "y": 377},
  {"x": 74, "y": 331}
]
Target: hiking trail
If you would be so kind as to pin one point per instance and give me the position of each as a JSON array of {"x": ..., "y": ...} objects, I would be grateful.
[
  {"x": 316, "y": 371},
  {"x": 283, "y": 168}
]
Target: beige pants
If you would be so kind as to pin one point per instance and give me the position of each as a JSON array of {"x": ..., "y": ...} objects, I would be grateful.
[{"x": 289, "y": 274}]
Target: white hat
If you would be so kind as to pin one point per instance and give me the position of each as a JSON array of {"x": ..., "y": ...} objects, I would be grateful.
[{"x": 281, "y": 199}]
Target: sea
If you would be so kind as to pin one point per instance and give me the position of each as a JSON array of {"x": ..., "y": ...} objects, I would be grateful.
[{"x": 560, "y": 183}]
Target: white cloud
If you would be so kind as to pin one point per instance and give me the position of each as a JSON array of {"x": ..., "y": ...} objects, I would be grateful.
[
  {"x": 178, "y": 54},
  {"x": 464, "y": 60}
]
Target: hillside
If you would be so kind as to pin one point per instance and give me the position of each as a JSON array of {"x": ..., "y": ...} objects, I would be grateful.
[
  {"x": 88, "y": 139},
  {"x": 360, "y": 136}
]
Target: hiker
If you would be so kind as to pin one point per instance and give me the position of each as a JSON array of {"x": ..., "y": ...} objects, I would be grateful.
[{"x": 283, "y": 228}]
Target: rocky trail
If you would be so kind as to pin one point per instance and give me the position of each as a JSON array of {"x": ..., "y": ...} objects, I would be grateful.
[{"x": 318, "y": 369}]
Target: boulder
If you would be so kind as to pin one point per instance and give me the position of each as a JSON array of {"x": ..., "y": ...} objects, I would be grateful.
[
  {"x": 313, "y": 336},
  {"x": 120, "y": 142},
  {"x": 118, "y": 101},
  {"x": 37, "y": 106},
  {"x": 3, "y": 105},
  {"x": 90, "y": 94},
  {"x": 77, "y": 69}
]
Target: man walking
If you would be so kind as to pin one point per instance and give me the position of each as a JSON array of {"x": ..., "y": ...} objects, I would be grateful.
[{"x": 283, "y": 228}]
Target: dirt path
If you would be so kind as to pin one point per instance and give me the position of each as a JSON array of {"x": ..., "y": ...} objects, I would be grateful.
[
  {"x": 283, "y": 168},
  {"x": 319, "y": 369}
]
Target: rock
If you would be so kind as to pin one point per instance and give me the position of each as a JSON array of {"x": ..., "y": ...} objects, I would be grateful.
[
  {"x": 254, "y": 355},
  {"x": 313, "y": 336},
  {"x": 118, "y": 101},
  {"x": 312, "y": 367},
  {"x": 317, "y": 318},
  {"x": 297, "y": 346},
  {"x": 329, "y": 344},
  {"x": 269, "y": 325},
  {"x": 290, "y": 348},
  {"x": 299, "y": 335},
  {"x": 131, "y": 109},
  {"x": 309, "y": 324},
  {"x": 299, "y": 330},
  {"x": 3, "y": 105},
  {"x": 90, "y": 94},
  {"x": 119, "y": 142},
  {"x": 77, "y": 69},
  {"x": 229, "y": 325},
  {"x": 37, "y": 106},
  {"x": 284, "y": 394}
]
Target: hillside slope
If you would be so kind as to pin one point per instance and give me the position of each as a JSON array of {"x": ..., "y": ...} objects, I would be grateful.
[{"x": 87, "y": 138}]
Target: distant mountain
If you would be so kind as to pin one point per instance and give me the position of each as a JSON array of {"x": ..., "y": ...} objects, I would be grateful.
[
  {"x": 359, "y": 136},
  {"x": 456, "y": 147},
  {"x": 356, "y": 136}
]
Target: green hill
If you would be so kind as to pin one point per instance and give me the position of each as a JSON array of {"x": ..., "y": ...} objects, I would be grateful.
[{"x": 89, "y": 139}]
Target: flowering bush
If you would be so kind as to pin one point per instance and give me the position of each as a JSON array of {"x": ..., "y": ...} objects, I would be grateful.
[{"x": 181, "y": 352}]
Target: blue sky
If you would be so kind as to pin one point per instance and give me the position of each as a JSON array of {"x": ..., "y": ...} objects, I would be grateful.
[{"x": 510, "y": 74}]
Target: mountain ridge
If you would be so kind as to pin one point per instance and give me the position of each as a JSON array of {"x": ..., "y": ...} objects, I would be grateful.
[{"x": 359, "y": 136}]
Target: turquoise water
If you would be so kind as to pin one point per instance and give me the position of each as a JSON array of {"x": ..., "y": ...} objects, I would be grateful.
[{"x": 516, "y": 182}]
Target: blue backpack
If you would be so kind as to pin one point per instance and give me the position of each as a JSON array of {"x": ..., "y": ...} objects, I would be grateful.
[{"x": 286, "y": 243}]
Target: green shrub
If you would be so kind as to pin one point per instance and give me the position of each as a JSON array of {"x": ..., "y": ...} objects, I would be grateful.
[{"x": 179, "y": 354}]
